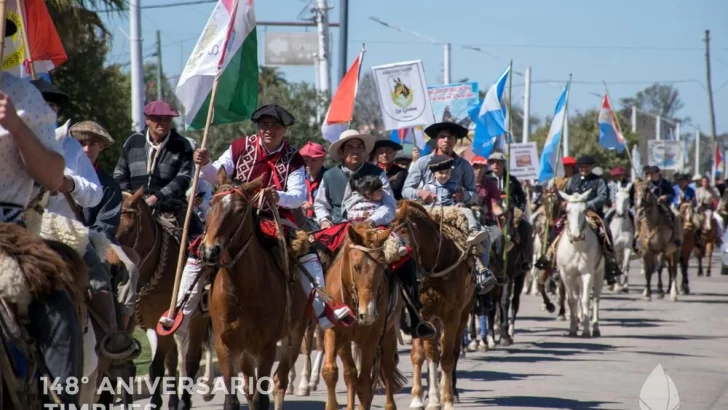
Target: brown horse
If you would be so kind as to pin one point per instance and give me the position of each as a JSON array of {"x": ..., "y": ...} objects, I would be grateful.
[
  {"x": 542, "y": 278},
  {"x": 253, "y": 305},
  {"x": 446, "y": 295},
  {"x": 708, "y": 238},
  {"x": 359, "y": 278},
  {"x": 156, "y": 244},
  {"x": 690, "y": 226}
]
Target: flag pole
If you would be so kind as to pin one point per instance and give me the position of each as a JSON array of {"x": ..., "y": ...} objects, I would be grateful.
[
  {"x": 619, "y": 128},
  {"x": 508, "y": 161},
  {"x": 170, "y": 314},
  {"x": 544, "y": 241},
  {"x": 26, "y": 40}
]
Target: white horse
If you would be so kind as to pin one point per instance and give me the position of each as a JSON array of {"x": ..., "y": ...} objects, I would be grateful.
[
  {"x": 623, "y": 234},
  {"x": 580, "y": 261}
]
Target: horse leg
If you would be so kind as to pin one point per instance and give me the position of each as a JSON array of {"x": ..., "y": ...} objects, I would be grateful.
[
  {"x": 189, "y": 349},
  {"x": 318, "y": 362},
  {"x": 626, "y": 256},
  {"x": 226, "y": 359},
  {"x": 364, "y": 383},
  {"x": 561, "y": 296},
  {"x": 648, "y": 267},
  {"x": 432, "y": 354},
  {"x": 264, "y": 385},
  {"x": 516, "y": 302},
  {"x": 330, "y": 372},
  {"x": 346, "y": 354},
  {"x": 209, "y": 375},
  {"x": 417, "y": 355},
  {"x": 288, "y": 361},
  {"x": 393, "y": 379},
  {"x": 156, "y": 369},
  {"x": 660, "y": 266},
  {"x": 598, "y": 284},
  {"x": 490, "y": 335},
  {"x": 709, "y": 254},
  {"x": 447, "y": 362},
  {"x": 571, "y": 299},
  {"x": 303, "y": 388},
  {"x": 587, "y": 284}
]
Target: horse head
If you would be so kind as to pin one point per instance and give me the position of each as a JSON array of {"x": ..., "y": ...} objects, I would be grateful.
[
  {"x": 644, "y": 197},
  {"x": 622, "y": 200},
  {"x": 687, "y": 213},
  {"x": 576, "y": 215},
  {"x": 230, "y": 218},
  {"x": 364, "y": 257},
  {"x": 136, "y": 224}
]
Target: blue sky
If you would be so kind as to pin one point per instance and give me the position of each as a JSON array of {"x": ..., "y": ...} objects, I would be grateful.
[{"x": 629, "y": 44}]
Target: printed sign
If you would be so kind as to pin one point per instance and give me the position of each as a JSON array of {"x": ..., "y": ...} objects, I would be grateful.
[
  {"x": 450, "y": 102},
  {"x": 403, "y": 95},
  {"x": 524, "y": 161},
  {"x": 665, "y": 154}
]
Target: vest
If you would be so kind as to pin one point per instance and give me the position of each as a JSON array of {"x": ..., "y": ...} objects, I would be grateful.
[
  {"x": 252, "y": 162},
  {"x": 335, "y": 180}
]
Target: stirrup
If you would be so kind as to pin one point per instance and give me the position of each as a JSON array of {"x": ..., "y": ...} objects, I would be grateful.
[{"x": 131, "y": 353}]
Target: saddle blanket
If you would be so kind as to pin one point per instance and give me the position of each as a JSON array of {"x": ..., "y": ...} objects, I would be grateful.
[
  {"x": 266, "y": 227},
  {"x": 332, "y": 238}
]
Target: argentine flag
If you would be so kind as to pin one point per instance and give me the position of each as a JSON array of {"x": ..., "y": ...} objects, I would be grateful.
[
  {"x": 609, "y": 136},
  {"x": 549, "y": 160},
  {"x": 491, "y": 118}
]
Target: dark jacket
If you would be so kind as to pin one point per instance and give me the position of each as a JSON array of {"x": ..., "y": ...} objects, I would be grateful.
[
  {"x": 662, "y": 187},
  {"x": 106, "y": 216},
  {"x": 599, "y": 195},
  {"x": 397, "y": 175},
  {"x": 518, "y": 196},
  {"x": 172, "y": 174}
]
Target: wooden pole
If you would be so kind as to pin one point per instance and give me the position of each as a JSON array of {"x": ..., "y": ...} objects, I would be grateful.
[
  {"x": 3, "y": 4},
  {"x": 508, "y": 162},
  {"x": 26, "y": 42}
]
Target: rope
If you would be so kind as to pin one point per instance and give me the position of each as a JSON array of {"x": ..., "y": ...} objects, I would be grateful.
[{"x": 156, "y": 277}]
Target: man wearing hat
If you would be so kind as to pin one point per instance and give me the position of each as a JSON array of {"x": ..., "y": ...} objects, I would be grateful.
[
  {"x": 403, "y": 160},
  {"x": 30, "y": 155},
  {"x": 158, "y": 159},
  {"x": 81, "y": 184},
  {"x": 352, "y": 151},
  {"x": 665, "y": 194},
  {"x": 314, "y": 155},
  {"x": 383, "y": 156},
  {"x": 444, "y": 136},
  {"x": 569, "y": 171},
  {"x": 106, "y": 216},
  {"x": 619, "y": 180}
]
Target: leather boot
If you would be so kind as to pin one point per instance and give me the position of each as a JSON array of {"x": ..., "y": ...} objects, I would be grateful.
[
  {"x": 611, "y": 269},
  {"x": 407, "y": 273},
  {"x": 116, "y": 344}
]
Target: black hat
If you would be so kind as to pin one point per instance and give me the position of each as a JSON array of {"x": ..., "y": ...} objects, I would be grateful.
[
  {"x": 585, "y": 160},
  {"x": 10, "y": 28},
  {"x": 403, "y": 157},
  {"x": 681, "y": 177},
  {"x": 457, "y": 130},
  {"x": 275, "y": 111},
  {"x": 440, "y": 163},
  {"x": 652, "y": 169},
  {"x": 387, "y": 143},
  {"x": 51, "y": 93}
]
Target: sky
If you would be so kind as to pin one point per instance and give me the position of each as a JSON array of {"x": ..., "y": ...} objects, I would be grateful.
[{"x": 630, "y": 44}]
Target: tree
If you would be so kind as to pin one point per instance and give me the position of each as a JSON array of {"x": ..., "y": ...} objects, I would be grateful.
[
  {"x": 658, "y": 99},
  {"x": 367, "y": 111}
]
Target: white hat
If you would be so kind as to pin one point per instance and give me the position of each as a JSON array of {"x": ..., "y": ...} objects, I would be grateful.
[
  {"x": 367, "y": 139},
  {"x": 697, "y": 177},
  {"x": 598, "y": 171}
]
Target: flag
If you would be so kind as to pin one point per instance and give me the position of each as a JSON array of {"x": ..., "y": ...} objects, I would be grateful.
[
  {"x": 718, "y": 158},
  {"x": 229, "y": 44},
  {"x": 549, "y": 160},
  {"x": 45, "y": 45},
  {"x": 609, "y": 136},
  {"x": 415, "y": 135},
  {"x": 341, "y": 109},
  {"x": 490, "y": 118}
]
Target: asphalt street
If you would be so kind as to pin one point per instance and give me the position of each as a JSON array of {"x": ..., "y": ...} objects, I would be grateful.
[{"x": 544, "y": 369}]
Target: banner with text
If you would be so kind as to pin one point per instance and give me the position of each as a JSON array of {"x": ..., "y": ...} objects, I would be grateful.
[
  {"x": 403, "y": 96},
  {"x": 450, "y": 102},
  {"x": 524, "y": 161},
  {"x": 665, "y": 154}
]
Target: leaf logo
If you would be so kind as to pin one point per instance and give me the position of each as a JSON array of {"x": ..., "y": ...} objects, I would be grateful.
[{"x": 659, "y": 392}]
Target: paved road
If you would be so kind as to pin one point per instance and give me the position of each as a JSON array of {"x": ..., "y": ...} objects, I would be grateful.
[{"x": 546, "y": 370}]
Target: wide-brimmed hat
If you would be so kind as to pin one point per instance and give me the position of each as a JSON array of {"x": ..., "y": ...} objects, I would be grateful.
[
  {"x": 313, "y": 150},
  {"x": 585, "y": 160},
  {"x": 92, "y": 132},
  {"x": 348, "y": 135},
  {"x": 386, "y": 142},
  {"x": 403, "y": 157},
  {"x": 681, "y": 177},
  {"x": 160, "y": 108},
  {"x": 457, "y": 130},
  {"x": 274, "y": 111},
  {"x": 51, "y": 93},
  {"x": 10, "y": 28},
  {"x": 440, "y": 163},
  {"x": 652, "y": 169}
]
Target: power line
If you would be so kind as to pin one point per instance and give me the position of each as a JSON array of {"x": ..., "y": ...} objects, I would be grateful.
[{"x": 162, "y": 6}]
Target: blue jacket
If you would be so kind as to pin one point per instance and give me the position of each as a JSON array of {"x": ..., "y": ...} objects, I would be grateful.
[{"x": 687, "y": 195}]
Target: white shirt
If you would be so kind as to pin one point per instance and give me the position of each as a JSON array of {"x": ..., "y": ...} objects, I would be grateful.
[
  {"x": 154, "y": 147},
  {"x": 16, "y": 185},
  {"x": 88, "y": 191},
  {"x": 293, "y": 197}
]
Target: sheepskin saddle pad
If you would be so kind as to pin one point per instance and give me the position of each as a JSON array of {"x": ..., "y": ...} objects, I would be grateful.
[{"x": 454, "y": 223}]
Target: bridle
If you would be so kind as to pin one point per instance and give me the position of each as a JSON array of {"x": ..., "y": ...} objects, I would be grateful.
[
  {"x": 582, "y": 234},
  {"x": 138, "y": 229},
  {"x": 369, "y": 254}
]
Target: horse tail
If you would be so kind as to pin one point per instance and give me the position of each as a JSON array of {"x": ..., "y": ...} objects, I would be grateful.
[
  {"x": 208, "y": 342},
  {"x": 398, "y": 379}
]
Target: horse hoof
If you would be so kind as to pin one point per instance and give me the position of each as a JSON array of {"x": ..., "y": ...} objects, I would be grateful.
[
  {"x": 473, "y": 346},
  {"x": 456, "y": 398},
  {"x": 624, "y": 289},
  {"x": 572, "y": 334},
  {"x": 483, "y": 348},
  {"x": 184, "y": 405},
  {"x": 416, "y": 404},
  {"x": 673, "y": 297},
  {"x": 313, "y": 386},
  {"x": 550, "y": 308},
  {"x": 596, "y": 333},
  {"x": 661, "y": 295},
  {"x": 585, "y": 335},
  {"x": 561, "y": 318},
  {"x": 506, "y": 341},
  {"x": 434, "y": 406}
]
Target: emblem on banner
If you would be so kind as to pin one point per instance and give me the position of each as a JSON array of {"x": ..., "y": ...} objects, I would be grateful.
[{"x": 401, "y": 93}]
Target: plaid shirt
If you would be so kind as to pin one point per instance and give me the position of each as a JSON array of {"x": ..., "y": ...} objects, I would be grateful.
[{"x": 171, "y": 175}]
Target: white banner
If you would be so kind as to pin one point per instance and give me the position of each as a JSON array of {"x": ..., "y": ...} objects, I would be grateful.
[
  {"x": 665, "y": 154},
  {"x": 524, "y": 161},
  {"x": 403, "y": 96}
]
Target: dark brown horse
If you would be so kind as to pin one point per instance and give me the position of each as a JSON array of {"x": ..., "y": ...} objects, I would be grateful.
[
  {"x": 359, "y": 277},
  {"x": 253, "y": 304},
  {"x": 156, "y": 244},
  {"x": 446, "y": 294}
]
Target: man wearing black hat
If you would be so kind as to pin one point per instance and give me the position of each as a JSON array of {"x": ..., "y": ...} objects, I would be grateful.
[
  {"x": 383, "y": 156},
  {"x": 665, "y": 194}
]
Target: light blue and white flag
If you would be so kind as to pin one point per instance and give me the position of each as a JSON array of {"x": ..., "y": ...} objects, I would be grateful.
[
  {"x": 549, "y": 160},
  {"x": 491, "y": 118}
]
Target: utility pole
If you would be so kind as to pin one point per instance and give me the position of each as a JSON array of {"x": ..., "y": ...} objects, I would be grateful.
[
  {"x": 634, "y": 119},
  {"x": 710, "y": 97},
  {"x": 658, "y": 130},
  {"x": 159, "y": 66},
  {"x": 322, "y": 23},
  {"x": 527, "y": 106},
  {"x": 137, "y": 70},
  {"x": 697, "y": 152},
  {"x": 446, "y": 69},
  {"x": 343, "y": 37}
]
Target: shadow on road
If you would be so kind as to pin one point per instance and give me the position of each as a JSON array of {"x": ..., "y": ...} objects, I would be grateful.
[
  {"x": 636, "y": 322},
  {"x": 540, "y": 402},
  {"x": 664, "y": 337},
  {"x": 491, "y": 376},
  {"x": 578, "y": 346}
]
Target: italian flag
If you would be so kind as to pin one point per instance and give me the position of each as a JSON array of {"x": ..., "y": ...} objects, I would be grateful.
[{"x": 228, "y": 45}]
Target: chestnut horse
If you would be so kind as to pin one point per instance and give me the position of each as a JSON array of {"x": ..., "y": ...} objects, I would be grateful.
[
  {"x": 708, "y": 238},
  {"x": 253, "y": 305},
  {"x": 360, "y": 278},
  {"x": 157, "y": 248},
  {"x": 690, "y": 226},
  {"x": 446, "y": 294}
]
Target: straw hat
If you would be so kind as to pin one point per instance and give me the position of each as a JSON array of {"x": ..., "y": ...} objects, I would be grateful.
[
  {"x": 335, "y": 148},
  {"x": 91, "y": 131}
]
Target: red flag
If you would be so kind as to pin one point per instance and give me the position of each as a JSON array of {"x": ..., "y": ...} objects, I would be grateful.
[
  {"x": 45, "y": 44},
  {"x": 342, "y": 105}
]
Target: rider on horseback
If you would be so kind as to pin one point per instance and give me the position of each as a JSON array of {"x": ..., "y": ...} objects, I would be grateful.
[
  {"x": 32, "y": 154},
  {"x": 82, "y": 185},
  {"x": 685, "y": 193},
  {"x": 706, "y": 196},
  {"x": 665, "y": 196}
]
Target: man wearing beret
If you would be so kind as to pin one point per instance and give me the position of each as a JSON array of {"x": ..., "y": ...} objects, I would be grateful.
[
  {"x": 314, "y": 155},
  {"x": 158, "y": 160}
]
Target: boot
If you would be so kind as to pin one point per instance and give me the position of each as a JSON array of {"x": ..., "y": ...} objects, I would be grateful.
[
  {"x": 190, "y": 273},
  {"x": 116, "y": 344},
  {"x": 327, "y": 315},
  {"x": 611, "y": 268},
  {"x": 407, "y": 274},
  {"x": 476, "y": 236},
  {"x": 421, "y": 329},
  {"x": 485, "y": 281}
]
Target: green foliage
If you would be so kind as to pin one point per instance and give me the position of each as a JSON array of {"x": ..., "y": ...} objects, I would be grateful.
[{"x": 584, "y": 140}]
